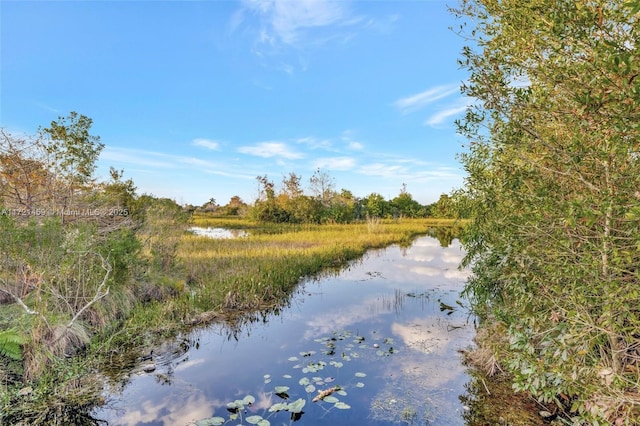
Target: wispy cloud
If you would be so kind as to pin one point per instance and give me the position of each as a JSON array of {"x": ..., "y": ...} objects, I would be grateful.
[
  {"x": 162, "y": 161},
  {"x": 351, "y": 143},
  {"x": 451, "y": 111},
  {"x": 419, "y": 100},
  {"x": 271, "y": 149},
  {"x": 334, "y": 163},
  {"x": 137, "y": 157},
  {"x": 383, "y": 170},
  {"x": 207, "y": 143},
  {"x": 285, "y": 20},
  {"x": 315, "y": 143}
]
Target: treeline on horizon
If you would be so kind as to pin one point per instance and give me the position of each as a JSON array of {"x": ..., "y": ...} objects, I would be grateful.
[{"x": 327, "y": 205}]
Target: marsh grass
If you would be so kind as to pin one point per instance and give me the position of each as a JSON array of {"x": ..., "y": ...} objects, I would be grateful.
[
  {"x": 223, "y": 280},
  {"x": 228, "y": 279}
]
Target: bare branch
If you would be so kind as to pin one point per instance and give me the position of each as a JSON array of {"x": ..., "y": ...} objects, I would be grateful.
[
  {"x": 99, "y": 293},
  {"x": 18, "y": 300}
]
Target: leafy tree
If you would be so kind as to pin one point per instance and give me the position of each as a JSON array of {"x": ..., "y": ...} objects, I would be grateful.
[
  {"x": 553, "y": 174},
  {"x": 74, "y": 151},
  {"x": 376, "y": 206},
  {"x": 406, "y": 205},
  {"x": 235, "y": 207},
  {"x": 443, "y": 208},
  {"x": 25, "y": 179},
  {"x": 342, "y": 208}
]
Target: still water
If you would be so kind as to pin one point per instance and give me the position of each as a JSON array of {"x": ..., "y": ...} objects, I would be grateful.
[{"x": 379, "y": 342}]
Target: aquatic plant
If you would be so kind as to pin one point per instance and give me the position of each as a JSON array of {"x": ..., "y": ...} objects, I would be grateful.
[{"x": 314, "y": 384}]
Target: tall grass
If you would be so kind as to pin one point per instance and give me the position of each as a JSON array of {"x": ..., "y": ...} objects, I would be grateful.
[{"x": 226, "y": 280}]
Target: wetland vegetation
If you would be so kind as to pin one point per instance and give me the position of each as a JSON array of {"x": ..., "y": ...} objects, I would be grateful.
[{"x": 94, "y": 274}]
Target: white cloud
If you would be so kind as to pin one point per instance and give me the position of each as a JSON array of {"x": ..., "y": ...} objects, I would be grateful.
[
  {"x": 351, "y": 144},
  {"x": 207, "y": 143},
  {"x": 417, "y": 101},
  {"x": 285, "y": 20},
  {"x": 334, "y": 163},
  {"x": 270, "y": 149},
  {"x": 137, "y": 157},
  {"x": 441, "y": 116},
  {"x": 315, "y": 143},
  {"x": 162, "y": 161},
  {"x": 383, "y": 170}
]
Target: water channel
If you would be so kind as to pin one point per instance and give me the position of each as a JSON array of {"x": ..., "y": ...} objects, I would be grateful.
[{"x": 379, "y": 342}]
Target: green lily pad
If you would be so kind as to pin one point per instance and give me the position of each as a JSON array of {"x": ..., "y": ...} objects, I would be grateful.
[
  {"x": 297, "y": 405},
  {"x": 213, "y": 421},
  {"x": 341, "y": 405}
]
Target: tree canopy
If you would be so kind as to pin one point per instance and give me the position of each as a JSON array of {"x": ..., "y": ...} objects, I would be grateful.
[{"x": 553, "y": 172}]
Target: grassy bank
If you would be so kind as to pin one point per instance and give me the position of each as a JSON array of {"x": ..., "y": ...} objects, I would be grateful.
[{"x": 209, "y": 280}]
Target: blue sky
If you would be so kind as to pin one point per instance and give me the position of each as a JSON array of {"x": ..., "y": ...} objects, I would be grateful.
[{"x": 194, "y": 99}]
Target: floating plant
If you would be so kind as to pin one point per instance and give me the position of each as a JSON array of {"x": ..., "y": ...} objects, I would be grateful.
[{"x": 316, "y": 385}]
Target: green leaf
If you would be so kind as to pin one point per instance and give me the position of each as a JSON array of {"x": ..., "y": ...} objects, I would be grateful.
[
  {"x": 254, "y": 420},
  {"x": 330, "y": 399},
  {"x": 213, "y": 421},
  {"x": 342, "y": 406},
  {"x": 296, "y": 406}
]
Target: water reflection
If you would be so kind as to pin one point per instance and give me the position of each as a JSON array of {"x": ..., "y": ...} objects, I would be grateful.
[
  {"x": 377, "y": 332},
  {"x": 218, "y": 233}
]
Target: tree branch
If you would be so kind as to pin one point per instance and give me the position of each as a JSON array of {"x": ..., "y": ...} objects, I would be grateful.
[
  {"x": 18, "y": 300},
  {"x": 99, "y": 293}
]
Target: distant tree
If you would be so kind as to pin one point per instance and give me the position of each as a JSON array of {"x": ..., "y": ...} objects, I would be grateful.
[
  {"x": 377, "y": 206},
  {"x": 322, "y": 186},
  {"x": 235, "y": 207},
  {"x": 406, "y": 205},
  {"x": 292, "y": 185},
  {"x": 74, "y": 151},
  {"x": 266, "y": 188},
  {"x": 25, "y": 179},
  {"x": 342, "y": 208}
]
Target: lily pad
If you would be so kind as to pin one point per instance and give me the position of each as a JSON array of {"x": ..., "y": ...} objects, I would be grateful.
[
  {"x": 297, "y": 405},
  {"x": 253, "y": 420},
  {"x": 358, "y": 374},
  {"x": 213, "y": 421},
  {"x": 330, "y": 399},
  {"x": 278, "y": 406},
  {"x": 341, "y": 405}
]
